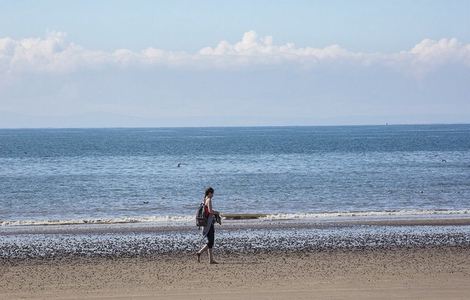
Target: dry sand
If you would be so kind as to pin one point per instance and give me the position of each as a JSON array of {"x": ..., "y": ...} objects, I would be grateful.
[{"x": 426, "y": 273}]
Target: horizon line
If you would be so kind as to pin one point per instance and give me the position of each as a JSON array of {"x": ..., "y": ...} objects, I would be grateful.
[{"x": 235, "y": 126}]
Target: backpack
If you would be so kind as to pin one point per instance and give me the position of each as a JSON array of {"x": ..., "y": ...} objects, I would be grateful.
[{"x": 201, "y": 219}]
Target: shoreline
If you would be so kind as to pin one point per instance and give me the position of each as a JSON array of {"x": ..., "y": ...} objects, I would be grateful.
[
  {"x": 430, "y": 273},
  {"x": 338, "y": 216},
  {"x": 427, "y": 258},
  {"x": 148, "y": 241},
  {"x": 235, "y": 223}
]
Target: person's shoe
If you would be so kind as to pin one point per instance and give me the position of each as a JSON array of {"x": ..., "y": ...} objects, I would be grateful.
[{"x": 214, "y": 262}]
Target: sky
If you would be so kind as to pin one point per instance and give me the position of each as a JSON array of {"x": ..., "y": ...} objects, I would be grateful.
[{"x": 233, "y": 63}]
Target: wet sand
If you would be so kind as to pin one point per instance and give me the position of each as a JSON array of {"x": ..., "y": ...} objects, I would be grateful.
[
  {"x": 400, "y": 273},
  {"x": 259, "y": 260}
]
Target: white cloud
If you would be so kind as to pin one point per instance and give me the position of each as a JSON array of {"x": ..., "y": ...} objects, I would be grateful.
[
  {"x": 253, "y": 50},
  {"x": 442, "y": 51},
  {"x": 54, "y": 53},
  {"x": 250, "y": 45}
]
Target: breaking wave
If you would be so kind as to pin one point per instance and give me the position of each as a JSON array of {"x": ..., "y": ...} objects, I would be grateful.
[{"x": 179, "y": 220}]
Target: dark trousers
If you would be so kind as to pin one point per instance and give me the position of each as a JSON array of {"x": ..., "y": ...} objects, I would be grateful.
[{"x": 210, "y": 237}]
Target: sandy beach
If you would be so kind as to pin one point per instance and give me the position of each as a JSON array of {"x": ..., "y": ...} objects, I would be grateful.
[
  {"x": 235, "y": 150},
  {"x": 402, "y": 273}
]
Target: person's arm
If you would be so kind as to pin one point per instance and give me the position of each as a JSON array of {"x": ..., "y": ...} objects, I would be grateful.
[{"x": 209, "y": 207}]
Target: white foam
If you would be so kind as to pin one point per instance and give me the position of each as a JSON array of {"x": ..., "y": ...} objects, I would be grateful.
[
  {"x": 397, "y": 213},
  {"x": 167, "y": 220},
  {"x": 181, "y": 220}
]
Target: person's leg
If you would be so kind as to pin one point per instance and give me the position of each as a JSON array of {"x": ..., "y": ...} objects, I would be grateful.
[
  {"x": 210, "y": 244},
  {"x": 211, "y": 257},
  {"x": 203, "y": 249}
]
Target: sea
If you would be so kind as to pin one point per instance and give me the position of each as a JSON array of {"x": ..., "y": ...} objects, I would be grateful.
[
  {"x": 135, "y": 175},
  {"x": 132, "y": 192}
]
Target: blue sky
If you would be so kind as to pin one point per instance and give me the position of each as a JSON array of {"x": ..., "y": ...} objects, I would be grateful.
[
  {"x": 151, "y": 63},
  {"x": 189, "y": 25}
]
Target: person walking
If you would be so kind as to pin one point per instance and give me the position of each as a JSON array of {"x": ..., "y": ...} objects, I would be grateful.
[{"x": 208, "y": 232}]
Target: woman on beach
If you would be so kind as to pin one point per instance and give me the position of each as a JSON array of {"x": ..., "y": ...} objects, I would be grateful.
[{"x": 209, "y": 228}]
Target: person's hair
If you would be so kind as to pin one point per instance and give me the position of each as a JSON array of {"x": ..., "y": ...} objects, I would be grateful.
[{"x": 208, "y": 191}]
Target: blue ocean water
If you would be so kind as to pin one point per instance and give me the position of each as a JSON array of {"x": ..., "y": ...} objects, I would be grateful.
[{"x": 88, "y": 174}]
